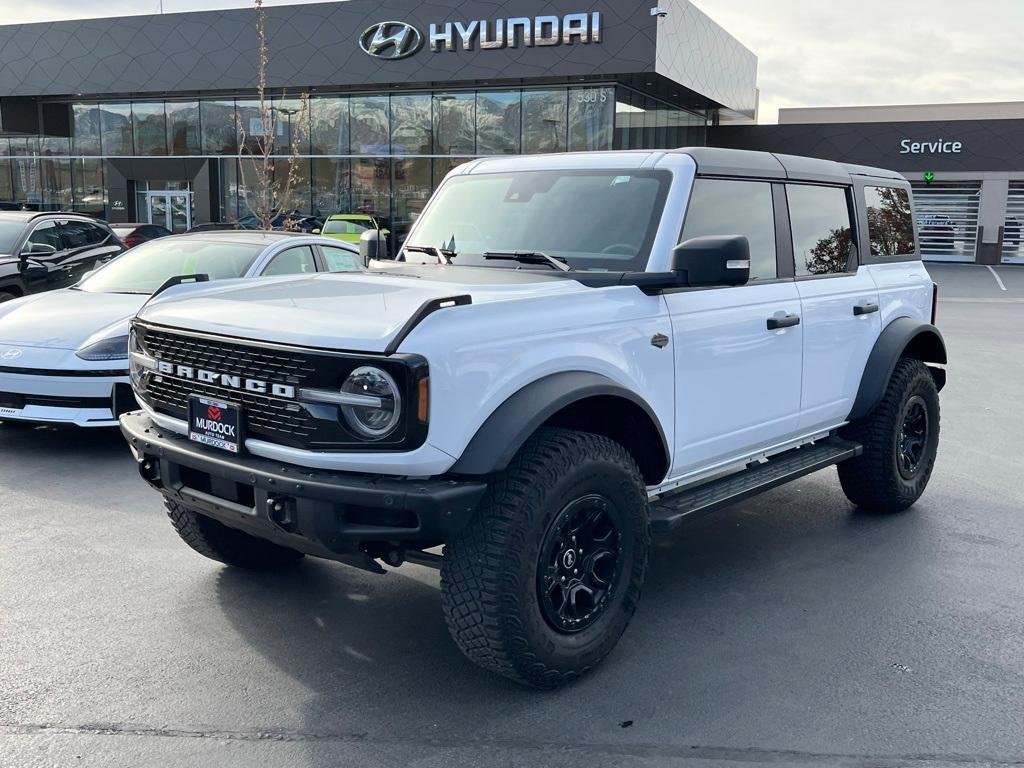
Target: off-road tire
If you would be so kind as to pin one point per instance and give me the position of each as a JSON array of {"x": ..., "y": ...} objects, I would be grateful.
[
  {"x": 873, "y": 480},
  {"x": 227, "y": 545},
  {"x": 489, "y": 577}
]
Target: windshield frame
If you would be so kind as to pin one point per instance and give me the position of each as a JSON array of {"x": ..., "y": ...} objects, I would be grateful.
[{"x": 637, "y": 263}]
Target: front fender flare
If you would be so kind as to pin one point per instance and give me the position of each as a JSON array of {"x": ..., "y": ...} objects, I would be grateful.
[
  {"x": 503, "y": 433},
  {"x": 903, "y": 337}
]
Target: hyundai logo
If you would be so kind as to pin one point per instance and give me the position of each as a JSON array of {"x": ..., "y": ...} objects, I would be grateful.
[
  {"x": 10, "y": 354},
  {"x": 391, "y": 40}
]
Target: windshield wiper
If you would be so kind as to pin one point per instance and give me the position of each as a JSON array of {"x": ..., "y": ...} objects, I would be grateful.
[
  {"x": 443, "y": 255},
  {"x": 530, "y": 257}
]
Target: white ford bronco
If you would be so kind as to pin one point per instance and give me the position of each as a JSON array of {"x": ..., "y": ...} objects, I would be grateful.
[{"x": 571, "y": 353}]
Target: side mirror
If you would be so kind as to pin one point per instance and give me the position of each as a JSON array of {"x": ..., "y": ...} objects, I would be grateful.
[
  {"x": 37, "y": 249},
  {"x": 316, "y": 231},
  {"x": 713, "y": 260},
  {"x": 373, "y": 245}
]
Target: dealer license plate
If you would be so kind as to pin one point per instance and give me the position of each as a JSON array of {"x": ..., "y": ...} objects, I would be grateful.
[{"x": 215, "y": 423}]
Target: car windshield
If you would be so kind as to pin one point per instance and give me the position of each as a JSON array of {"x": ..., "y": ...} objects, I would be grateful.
[
  {"x": 344, "y": 227},
  {"x": 10, "y": 232},
  {"x": 146, "y": 267},
  {"x": 600, "y": 219}
]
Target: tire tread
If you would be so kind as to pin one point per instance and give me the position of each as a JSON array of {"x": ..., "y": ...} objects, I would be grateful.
[
  {"x": 479, "y": 577},
  {"x": 226, "y": 545},
  {"x": 871, "y": 480}
]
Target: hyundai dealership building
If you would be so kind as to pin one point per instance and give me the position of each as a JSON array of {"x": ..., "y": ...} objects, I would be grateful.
[{"x": 140, "y": 118}]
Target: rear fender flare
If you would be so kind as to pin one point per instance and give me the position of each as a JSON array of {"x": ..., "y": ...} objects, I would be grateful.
[{"x": 903, "y": 337}]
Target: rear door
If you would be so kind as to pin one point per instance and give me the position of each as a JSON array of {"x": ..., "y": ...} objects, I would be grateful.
[
  {"x": 338, "y": 259},
  {"x": 738, "y": 349},
  {"x": 87, "y": 245},
  {"x": 839, "y": 301}
]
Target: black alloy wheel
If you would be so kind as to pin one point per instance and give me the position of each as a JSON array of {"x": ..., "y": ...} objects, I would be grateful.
[
  {"x": 912, "y": 439},
  {"x": 580, "y": 564}
]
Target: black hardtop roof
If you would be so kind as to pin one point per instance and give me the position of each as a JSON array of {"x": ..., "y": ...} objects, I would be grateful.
[{"x": 716, "y": 161}]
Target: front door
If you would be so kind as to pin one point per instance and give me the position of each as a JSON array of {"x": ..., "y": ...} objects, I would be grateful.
[
  {"x": 170, "y": 209},
  {"x": 737, "y": 350}
]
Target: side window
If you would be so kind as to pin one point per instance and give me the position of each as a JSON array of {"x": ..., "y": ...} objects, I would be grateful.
[
  {"x": 822, "y": 235},
  {"x": 726, "y": 207},
  {"x": 890, "y": 224},
  {"x": 80, "y": 234},
  {"x": 47, "y": 233},
  {"x": 97, "y": 234},
  {"x": 341, "y": 260},
  {"x": 294, "y": 261}
]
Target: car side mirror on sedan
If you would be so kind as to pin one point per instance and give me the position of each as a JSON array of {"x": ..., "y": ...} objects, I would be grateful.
[
  {"x": 373, "y": 245},
  {"x": 712, "y": 260}
]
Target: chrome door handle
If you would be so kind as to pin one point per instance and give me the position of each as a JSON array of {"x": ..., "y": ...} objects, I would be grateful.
[
  {"x": 783, "y": 321},
  {"x": 865, "y": 309}
]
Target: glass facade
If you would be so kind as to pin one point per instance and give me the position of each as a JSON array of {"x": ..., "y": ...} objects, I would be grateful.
[{"x": 382, "y": 154}]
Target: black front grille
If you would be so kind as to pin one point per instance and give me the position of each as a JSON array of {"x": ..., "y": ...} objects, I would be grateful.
[
  {"x": 268, "y": 364},
  {"x": 275, "y": 419},
  {"x": 268, "y": 417}
]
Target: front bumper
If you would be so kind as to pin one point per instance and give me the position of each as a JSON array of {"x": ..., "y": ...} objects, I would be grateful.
[
  {"x": 64, "y": 396},
  {"x": 321, "y": 513}
]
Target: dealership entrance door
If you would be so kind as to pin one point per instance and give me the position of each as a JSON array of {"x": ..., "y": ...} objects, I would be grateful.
[
  {"x": 170, "y": 209},
  {"x": 165, "y": 203}
]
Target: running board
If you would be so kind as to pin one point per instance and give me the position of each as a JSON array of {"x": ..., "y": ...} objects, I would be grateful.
[{"x": 669, "y": 511}]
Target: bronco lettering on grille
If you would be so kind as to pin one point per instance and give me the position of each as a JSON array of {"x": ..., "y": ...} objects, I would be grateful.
[{"x": 228, "y": 381}]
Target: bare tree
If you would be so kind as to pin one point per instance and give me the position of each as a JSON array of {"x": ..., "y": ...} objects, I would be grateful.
[{"x": 265, "y": 193}]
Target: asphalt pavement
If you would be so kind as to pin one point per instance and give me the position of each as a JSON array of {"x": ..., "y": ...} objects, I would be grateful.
[{"x": 788, "y": 630}]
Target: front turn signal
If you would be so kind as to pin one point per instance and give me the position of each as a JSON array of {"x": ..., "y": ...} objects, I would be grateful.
[{"x": 423, "y": 401}]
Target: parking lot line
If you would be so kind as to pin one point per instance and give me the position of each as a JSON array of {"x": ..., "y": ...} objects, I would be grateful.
[{"x": 999, "y": 280}]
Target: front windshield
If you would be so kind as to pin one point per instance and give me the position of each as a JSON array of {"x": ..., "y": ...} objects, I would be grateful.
[
  {"x": 344, "y": 227},
  {"x": 599, "y": 220},
  {"x": 10, "y": 232},
  {"x": 146, "y": 267}
]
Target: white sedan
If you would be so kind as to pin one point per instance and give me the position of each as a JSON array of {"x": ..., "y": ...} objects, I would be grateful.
[{"x": 64, "y": 354}]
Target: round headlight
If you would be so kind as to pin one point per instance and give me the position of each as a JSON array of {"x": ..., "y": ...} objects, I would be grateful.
[{"x": 381, "y": 408}]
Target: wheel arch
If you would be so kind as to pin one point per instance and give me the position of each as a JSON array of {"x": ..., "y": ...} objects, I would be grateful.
[
  {"x": 588, "y": 402},
  {"x": 903, "y": 337}
]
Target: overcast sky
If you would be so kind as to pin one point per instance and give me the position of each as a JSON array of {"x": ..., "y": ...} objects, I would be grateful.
[{"x": 811, "y": 52}]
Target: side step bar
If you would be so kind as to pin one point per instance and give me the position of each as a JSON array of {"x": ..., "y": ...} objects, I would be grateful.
[{"x": 670, "y": 510}]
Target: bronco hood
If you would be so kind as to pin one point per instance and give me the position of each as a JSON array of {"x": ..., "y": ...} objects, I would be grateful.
[{"x": 359, "y": 311}]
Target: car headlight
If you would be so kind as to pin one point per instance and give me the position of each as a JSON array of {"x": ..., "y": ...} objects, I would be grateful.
[
  {"x": 108, "y": 349},
  {"x": 374, "y": 407}
]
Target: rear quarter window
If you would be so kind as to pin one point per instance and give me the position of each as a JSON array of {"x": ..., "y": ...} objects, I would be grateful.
[{"x": 890, "y": 223}]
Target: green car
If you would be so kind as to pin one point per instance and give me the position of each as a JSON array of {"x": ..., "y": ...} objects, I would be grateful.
[{"x": 349, "y": 226}]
